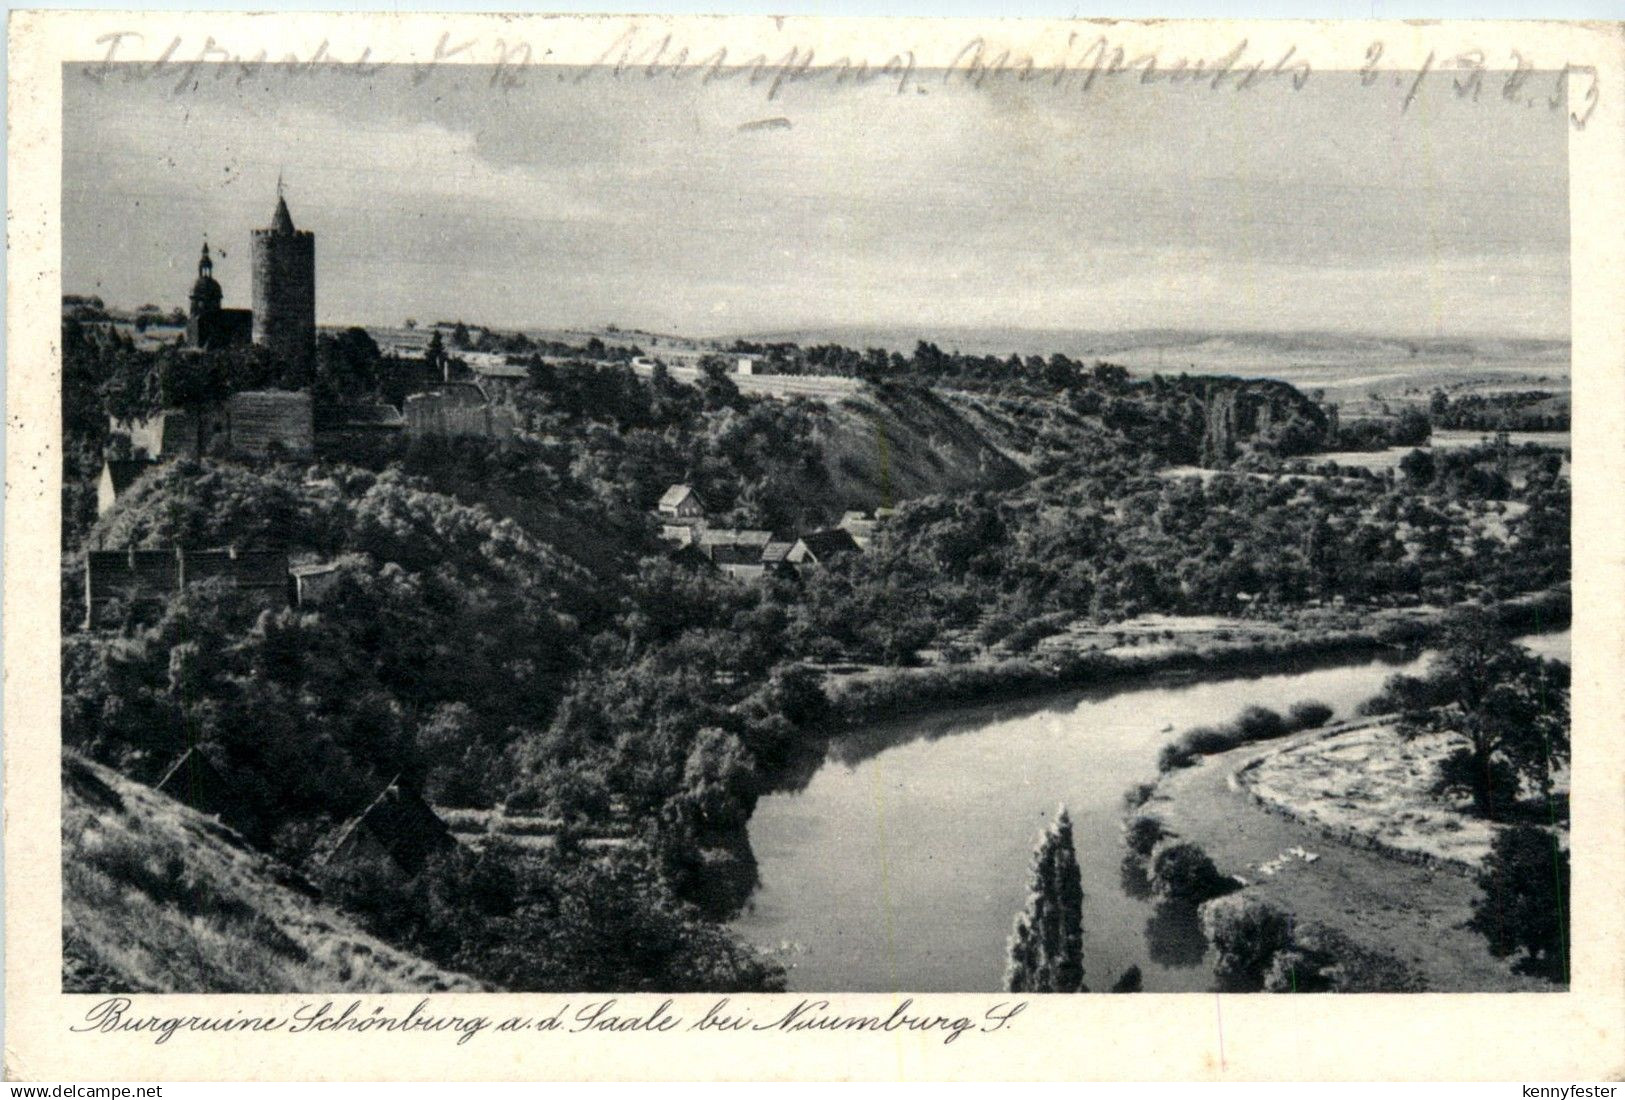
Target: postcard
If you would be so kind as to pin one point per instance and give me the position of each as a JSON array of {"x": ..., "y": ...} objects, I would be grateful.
[{"x": 701, "y": 548}]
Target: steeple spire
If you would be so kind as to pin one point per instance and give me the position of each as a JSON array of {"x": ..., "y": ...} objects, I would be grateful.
[
  {"x": 205, "y": 266},
  {"x": 282, "y": 222}
]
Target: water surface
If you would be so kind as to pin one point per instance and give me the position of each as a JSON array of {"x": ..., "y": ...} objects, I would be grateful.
[{"x": 902, "y": 863}]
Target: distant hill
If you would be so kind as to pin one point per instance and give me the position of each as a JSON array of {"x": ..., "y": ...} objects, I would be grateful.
[
  {"x": 158, "y": 898},
  {"x": 1170, "y": 343}
]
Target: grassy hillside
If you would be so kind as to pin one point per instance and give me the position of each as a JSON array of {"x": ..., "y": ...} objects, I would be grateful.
[{"x": 157, "y": 898}]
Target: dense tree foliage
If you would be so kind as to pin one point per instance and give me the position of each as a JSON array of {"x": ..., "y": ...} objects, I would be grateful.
[
  {"x": 1524, "y": 908},
  {"x": 1505, "y": 708},
  {"x": 1046, "y": 946},
  {"x": 506, "y": 626},
  {"x": 1523, "y": 411}
]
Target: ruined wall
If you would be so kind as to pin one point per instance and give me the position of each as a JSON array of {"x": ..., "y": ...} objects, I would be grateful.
[
  {"x": 151, "y": 577},
  {"x": 451, "y": 415},
  {"x": 263, "y": 421}
]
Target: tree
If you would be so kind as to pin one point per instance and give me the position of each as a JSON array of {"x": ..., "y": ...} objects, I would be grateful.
[
  {"x": 347, "y": 364},
  {"x": 1508, "y": 709},
  {"x": 1046, "y": 947},
  {"x": 1525, "y": 903},
  {"x": 1417, "y": 467},
  {"x": 1182, "y": 872}
]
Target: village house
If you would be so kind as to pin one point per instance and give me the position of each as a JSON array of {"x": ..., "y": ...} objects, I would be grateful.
[
  {"x": 150, "y": 578},
  {"x": 775, "y": 556},
  {"x": 821, "y": 547},
  {"x": 681, "y": 502},
  {"x": 736, "y": 551},
  {"x": 118, "y": 474},
  {"x": 397, "y": 827},
  {"x": 493, "y": 366}
]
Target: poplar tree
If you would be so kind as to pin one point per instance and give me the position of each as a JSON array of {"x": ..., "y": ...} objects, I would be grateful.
[{"x": 1046, "y": 947}]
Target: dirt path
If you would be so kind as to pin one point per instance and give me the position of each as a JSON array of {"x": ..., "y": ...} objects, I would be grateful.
[{"x": 1411, "y": 912}]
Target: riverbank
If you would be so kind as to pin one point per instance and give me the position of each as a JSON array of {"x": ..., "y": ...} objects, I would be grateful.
[
  {"x": 880, "y": 694},
  {"x": 1411, "y": 910}
]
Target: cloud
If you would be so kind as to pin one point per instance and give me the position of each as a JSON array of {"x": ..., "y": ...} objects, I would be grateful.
[{"x": 661, "y": 204}]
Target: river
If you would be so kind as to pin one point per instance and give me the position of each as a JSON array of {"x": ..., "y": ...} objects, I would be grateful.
[{"x": 903, "y": 861}]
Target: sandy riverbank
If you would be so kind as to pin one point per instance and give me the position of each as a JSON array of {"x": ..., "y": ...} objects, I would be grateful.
[{"x": 1409, "y": 910}]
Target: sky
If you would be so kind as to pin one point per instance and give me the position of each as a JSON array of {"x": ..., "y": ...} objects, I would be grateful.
[{"x": 708, "y": 209}]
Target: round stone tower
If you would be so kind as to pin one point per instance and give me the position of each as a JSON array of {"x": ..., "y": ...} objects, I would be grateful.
[{"x": 285, "y": 289}]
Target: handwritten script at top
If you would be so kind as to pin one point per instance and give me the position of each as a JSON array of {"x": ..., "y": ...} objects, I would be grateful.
[{"x": 1082, "y": 65}]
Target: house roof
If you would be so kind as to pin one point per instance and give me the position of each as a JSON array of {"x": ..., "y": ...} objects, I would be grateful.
[
  {"x": 124, "y": 471},
  {"x": 775, "y": 552},
  {"x": 733, "y": 536},
  {"x": 676, "y": 495},
  {"x": 827, "y": 543},
  {"x": 198, "y": 781},
  {"x": 401, "y": 823},
  {"x": 735, "y": 553}
]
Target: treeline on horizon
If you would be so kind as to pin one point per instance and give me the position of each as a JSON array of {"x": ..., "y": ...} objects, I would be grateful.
[{"x": 509, "y": 628}]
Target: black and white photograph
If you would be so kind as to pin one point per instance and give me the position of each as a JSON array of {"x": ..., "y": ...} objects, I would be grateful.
[{"x": 725, "y": 528}]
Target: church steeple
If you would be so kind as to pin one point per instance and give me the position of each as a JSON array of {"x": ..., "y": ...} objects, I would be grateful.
[{"x": 206, "y": 295}]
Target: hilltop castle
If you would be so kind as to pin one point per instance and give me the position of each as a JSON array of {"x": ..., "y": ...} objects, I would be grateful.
[{"x": 284, "y": 315}]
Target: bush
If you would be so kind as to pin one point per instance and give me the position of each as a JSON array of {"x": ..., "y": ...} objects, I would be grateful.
[
  {"x": 1207, "y": 740},
  {"x": 1253, "y": 724},
  {"x": 1174, "y": 755},
  {"x": 1247, "y": 934},
  {"x": 1323, "y": 960},
  {"x": 1183, "y": 872},
  {"x": 1137, "y": 796},
  {"x": 1142, "y": 833},
  {"x": 1129, "y": 982},
  {"x": 1308, "y": 714},
  {"x": 1259, "y": 724}
]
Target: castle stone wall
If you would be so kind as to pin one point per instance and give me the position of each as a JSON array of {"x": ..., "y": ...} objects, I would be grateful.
[
  {"x": 266, "y": 420},
  {"x": 451, "y": 415}
]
